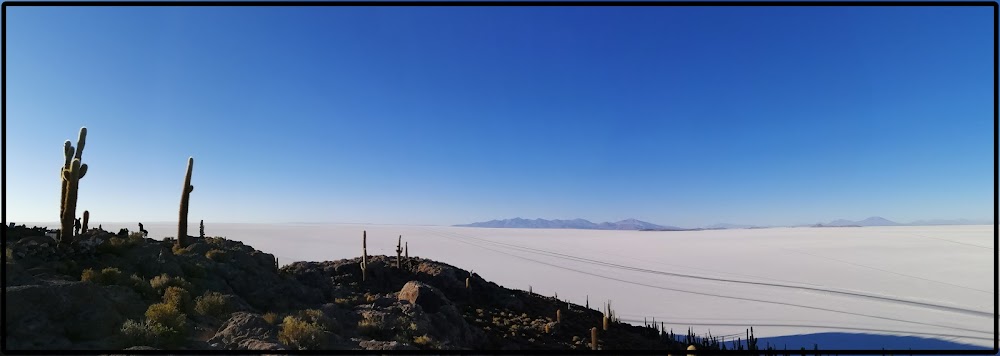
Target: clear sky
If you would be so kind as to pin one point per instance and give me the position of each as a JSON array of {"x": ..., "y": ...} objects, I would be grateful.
[{"x": 683, "y": 116}]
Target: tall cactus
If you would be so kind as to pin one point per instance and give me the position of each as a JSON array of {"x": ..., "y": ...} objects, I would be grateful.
[
  {"x": 182, "y": 224},
  {"x": 86, "y": 219},
  {"x": 399, "y": 251},
  {"x": 364, "y": 255},
  {"x": 73, "y": 169},
  {"x": 201, "y": 229}
]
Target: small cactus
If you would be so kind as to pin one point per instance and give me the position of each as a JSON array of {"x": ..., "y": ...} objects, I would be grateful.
[
  {"x": 182, "y": 236},
  {"x": 558, "y": 315},
  {"x": 467, "y": 282},
  {"x": 76, "y": 227},
  {"x": 593, "y": 338},
  {"x": 201, "y": 229}
]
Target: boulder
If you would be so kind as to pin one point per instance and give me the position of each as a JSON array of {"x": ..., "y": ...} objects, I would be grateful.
[
  {"x": 247, "y": 331},
  {"x": 424, "y": 295},
  {"x": 49, "y": 315}
]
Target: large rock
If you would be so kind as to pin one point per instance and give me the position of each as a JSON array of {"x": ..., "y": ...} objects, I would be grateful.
[
  {"x": 247, "y": 331},
  {"x": 424, "y": 295},
  {"x": 52, "y": 315}
]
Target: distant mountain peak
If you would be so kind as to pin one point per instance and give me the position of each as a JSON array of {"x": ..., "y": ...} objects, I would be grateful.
[{"x": 871, "y": 221}]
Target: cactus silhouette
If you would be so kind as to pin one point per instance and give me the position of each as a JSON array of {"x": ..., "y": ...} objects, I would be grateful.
[
  {"x": 182, "y": 236},
  {"x": 73, "y": 169},
  {"x": 399, "y": 251},
  {"x": 364, "y": 255},
  {"x": 201, "y": 229}
]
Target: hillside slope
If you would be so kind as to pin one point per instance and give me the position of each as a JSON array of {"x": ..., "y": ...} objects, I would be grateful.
[{"x": 105, "y": 291}]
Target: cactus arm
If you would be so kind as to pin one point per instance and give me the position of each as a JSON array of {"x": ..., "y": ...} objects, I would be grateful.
[{"x": 82, "y": 141}]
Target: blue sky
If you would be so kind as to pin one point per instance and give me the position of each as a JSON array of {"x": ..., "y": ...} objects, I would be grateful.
[{"x": 444, "y": 115}]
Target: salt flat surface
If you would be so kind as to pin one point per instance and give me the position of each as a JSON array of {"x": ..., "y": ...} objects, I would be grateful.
[{"x": 933, "y": 281}]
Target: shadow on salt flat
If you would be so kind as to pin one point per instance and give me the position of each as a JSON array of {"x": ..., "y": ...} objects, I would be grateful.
[{"x": 857, "y": 341}]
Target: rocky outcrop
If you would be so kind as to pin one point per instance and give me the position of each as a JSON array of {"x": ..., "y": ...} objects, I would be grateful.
[{"x": 59, "y": 314}]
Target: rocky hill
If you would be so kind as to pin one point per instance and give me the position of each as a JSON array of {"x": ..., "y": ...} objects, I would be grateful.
[{"x": 105, "y": 291}]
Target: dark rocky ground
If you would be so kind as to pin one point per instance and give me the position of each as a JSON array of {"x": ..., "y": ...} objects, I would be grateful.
[{"x": 423, "y": 304}]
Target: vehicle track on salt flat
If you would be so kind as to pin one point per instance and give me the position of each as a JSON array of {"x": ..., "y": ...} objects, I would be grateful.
[{"x": 726, "y": 280}]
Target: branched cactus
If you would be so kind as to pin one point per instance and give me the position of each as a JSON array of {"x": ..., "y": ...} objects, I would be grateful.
[
  {"x": 399, "y": 251},
  {"x": 71, "y": 172},
  {"x": 76, "y": 227},
  {"x": 364, "y": 255},
  {"x": 182, "y": 227},
  {"x": 86, "y": 219}
]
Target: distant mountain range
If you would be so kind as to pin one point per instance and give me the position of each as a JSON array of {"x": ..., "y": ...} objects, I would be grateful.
[
  {"x": 627, "y": 224},
  {"x": 633, "y": 224},
  {"x": 880, "y": 221}
]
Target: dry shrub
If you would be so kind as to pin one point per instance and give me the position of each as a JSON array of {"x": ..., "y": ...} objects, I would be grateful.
[
  {"x": 178, "y": 297},
  {"x": 213, "y": 304},
  {"x": 167, "y": 315},
  {"x": 301, "y": 334},
  {"x": 108, "y": 276}
]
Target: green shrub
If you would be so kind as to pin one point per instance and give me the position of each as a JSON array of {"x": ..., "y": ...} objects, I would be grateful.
[
  {"x": 213, "y": 304},
  {"x": 178, "y": 297},
  {"x": 167, "y": 315},
  {"x": 148, "y": 333},
  {"x": 161, "y": 282},
  {"x": 108, "y": 276},
  {"x": 302, "y": 335}
]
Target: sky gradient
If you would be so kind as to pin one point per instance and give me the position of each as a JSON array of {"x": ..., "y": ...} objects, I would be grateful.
[{"x": 683, "y": 116}]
